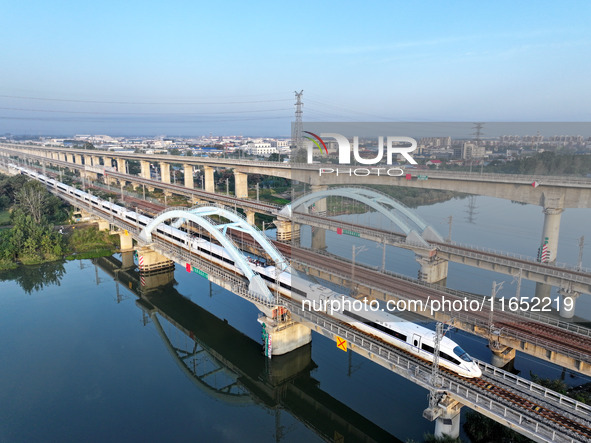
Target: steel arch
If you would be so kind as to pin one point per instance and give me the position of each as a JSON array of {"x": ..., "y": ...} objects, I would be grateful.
[
  {"x": 225, "y": 394},
  {"x": 239, "y": 223},
  {"x": 199, "y": 216},
  {"x": 382, "y": 203}
]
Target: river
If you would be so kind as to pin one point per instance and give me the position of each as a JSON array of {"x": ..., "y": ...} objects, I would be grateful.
[{"x": 83, "y": 360}]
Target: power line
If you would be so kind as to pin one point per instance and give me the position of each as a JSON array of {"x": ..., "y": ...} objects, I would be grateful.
[
  {"x": 141, "y": 103},
  {"x": 144, "y": 113}
]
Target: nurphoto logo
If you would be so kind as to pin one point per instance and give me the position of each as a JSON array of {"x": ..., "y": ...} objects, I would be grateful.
[{"x": 394, "y": 146}]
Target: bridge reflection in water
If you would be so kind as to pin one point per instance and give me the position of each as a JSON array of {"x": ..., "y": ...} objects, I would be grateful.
[{"x": 230, "y": 366}]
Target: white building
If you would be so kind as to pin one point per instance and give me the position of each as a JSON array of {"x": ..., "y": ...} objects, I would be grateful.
[{"x": 262, "y": 148}]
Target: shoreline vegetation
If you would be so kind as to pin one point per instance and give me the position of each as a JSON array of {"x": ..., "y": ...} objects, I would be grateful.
[{"x": 35, "y": 229}]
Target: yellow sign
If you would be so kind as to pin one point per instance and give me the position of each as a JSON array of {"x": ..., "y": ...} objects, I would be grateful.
[
  {"x": 341, "y": 344},
  {"x": 125, "y": 232}
]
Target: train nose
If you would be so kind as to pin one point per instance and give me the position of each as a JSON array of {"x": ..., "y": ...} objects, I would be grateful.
[{"x": 476, "y": 370}]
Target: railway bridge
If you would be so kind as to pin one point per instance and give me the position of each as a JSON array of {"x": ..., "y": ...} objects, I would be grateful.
[
  {"x": 530, "y": 409},
  {"x": 433, "y": 258}
]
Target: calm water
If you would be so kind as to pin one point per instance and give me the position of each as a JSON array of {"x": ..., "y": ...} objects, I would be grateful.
[{"x": 83, "y": 359}]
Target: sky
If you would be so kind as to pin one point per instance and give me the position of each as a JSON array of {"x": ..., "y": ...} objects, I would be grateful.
[{"x": 195, "y": 68}]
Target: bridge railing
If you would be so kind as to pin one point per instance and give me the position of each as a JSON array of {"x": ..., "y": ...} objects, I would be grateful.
[
  {"x": 583, "y": 409},
  {"x": 470, "y": 319},
  {"x": 571, "y": 327},
  {"x": 420, "y": 373},
  {"x": 412, "y": 367},
  {"x": 493, "y": 177},
  {"x": 527, "y": 263}
]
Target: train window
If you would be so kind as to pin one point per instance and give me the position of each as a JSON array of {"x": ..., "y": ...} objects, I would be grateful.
[
  {"x": 427, "y": 348},
  {"x": 462, "y": 354},
  {"x": 448, "y": 357},
  {"x": 377, "y": 326}
]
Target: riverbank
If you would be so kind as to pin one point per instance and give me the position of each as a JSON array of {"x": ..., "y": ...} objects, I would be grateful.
[{"x": 78, "y": 242}]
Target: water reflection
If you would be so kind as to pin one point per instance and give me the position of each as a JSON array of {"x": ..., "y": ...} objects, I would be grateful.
[
  {"x": 230, "y": 366},
  {"x": 35, "y": 278}
]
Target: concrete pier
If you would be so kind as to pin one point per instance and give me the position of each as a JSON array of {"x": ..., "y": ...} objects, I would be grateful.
[
  {"x": 448, "y": 423},
  {"x": 122, "y": 166},
  {"x": 551, "y": 232},
  {"x": 286, "y": 230},
  {"x": 209, "y": 183},
  {"x": 240, "y": 184},
  {"x": 568, "y": 300},
  {"x": 250, "y": 217},
  {"x": 282, "y": 337},
  {"x": 165, "y": 172},
  {"x": 150, "y": 260},
  {"x": 501, "y": 355},
  {"x": 433, "y": 269},
  {"x": 188, "y": 169},
  {"x": 145, "y": 169},
  {"x": 126, "y": 241}
]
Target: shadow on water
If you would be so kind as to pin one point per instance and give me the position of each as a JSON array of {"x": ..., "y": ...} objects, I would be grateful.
[
  {"x": 216, "y": 347},
  {"x": 35, "y": 278}
]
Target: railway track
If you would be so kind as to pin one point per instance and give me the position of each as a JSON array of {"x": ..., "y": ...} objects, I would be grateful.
[
  {"x": 557, "y": 337},
  {"x": 454, "y": 247},
  {"x": 486, "y": 385}
]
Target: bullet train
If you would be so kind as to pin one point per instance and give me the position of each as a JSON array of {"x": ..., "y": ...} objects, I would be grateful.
[{"x": 400, "y": 333}]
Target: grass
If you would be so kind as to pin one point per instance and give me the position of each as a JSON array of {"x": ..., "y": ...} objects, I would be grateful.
[{"x": 4, "y": 218}]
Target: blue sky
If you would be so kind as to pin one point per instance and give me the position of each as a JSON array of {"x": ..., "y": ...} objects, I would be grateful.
[{"x": 181, "y": 67}]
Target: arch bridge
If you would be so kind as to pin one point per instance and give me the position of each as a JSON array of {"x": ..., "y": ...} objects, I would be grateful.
[
  {"x": 414, "y": 227},
  {"x": 201, "y": 215}
]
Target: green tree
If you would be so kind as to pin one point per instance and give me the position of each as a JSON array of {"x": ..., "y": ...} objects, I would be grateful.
[{"x": 31, "y": 199}]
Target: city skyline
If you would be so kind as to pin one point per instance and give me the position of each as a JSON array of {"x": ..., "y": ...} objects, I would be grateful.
[{"x": 194, "y": 69}]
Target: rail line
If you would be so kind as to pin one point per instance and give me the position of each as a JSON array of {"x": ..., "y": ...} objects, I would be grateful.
[{"x": 546, "y": 423}]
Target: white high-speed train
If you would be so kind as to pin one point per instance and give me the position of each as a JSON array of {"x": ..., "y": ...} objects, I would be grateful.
[{"x": 406, "y": 335}]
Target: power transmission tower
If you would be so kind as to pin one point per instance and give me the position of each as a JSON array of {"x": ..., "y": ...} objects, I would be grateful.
[
  {"x": 471, "y": 210},
  {"x": 297, "y": 133},
  {"x": 477, "y": 131}
]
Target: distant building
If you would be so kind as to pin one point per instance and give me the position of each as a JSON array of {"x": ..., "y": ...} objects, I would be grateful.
[
  {"x": 470, "y": 151},
  {"x": 262, "y": 148}
]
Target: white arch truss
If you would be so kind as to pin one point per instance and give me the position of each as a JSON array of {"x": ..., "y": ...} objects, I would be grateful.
[
  {"x": 200, "y": 216},
  {"x": 413, "y": 226}
]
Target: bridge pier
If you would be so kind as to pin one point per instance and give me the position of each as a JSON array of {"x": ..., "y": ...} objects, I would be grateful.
[
  {"x": 165, "y": 172},
  {"x": 433, "y": 269},
  {"x": 286, "y": 230},
  {"x": 188, "y": 169},
  {"x": 209, "y": 183},
  {"x": 280, "y": 338},
  {"x": 318, "y": 239},
  {"x": 150, "y": 260},
  {"x": 448, "y": 423},
  {"x": 250, "y": 216},
  {"x": 501, "y": 355},
  {"x": 122, "y": 166},
  {"x": 145, "y": 169},
  {"x": 240, "y": 184},
  {"x": 568, "y": 301},
  {"x": 126, "y": 241},
  {"x": 103, "y": 225},
  {"x": 550, "y": 234}
]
